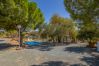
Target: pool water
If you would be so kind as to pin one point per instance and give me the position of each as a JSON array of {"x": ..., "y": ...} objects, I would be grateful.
[{"x": 33, "y": 43}]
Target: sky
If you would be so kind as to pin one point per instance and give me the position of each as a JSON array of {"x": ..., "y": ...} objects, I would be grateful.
[{"x": 51, "y": 7}]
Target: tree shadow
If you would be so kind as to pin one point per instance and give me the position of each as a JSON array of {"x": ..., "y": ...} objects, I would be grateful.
[
  {"x": 46, "y": 46},
  {"x": 57, "y": 63},
  {"x": 59, "y": 44},
  {"x": 5, "y": 46},
  {"x": 77, "y": 65},
  {"x": 79, "y": 49},
  {"x": 2, "y": 40},
  {"x": 91, "y": 61},
  {"x": 41, "y": 47}
]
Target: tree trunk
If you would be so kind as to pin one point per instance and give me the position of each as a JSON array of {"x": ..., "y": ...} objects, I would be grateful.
[
  {"x": 59, "y": 39},
  {"x": 21, "y": 39},
  {"x": 66, "y": 39}
]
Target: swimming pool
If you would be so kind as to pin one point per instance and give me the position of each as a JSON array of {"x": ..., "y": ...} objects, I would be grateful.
[{"x": 33, "y": 43}]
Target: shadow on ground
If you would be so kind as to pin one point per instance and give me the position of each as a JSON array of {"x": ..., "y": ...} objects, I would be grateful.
[
  {"x": 1, "y": 40},
  {"x": 46, "y": 46},
  {"x": 57, "y": 63},
  {"x": 91, "y": 61},
  {"x": 79, "y": 49},
  {"x": 4, "y": 46}
]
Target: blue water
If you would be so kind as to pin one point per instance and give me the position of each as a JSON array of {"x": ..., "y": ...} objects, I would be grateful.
[{"x": 33, "y": 43}]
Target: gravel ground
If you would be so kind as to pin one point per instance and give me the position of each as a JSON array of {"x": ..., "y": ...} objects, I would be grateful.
[{"x": 70, "y": 55}]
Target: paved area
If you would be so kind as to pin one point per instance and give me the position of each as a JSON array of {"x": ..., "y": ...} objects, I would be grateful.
[{"x": 70, "y": 55}]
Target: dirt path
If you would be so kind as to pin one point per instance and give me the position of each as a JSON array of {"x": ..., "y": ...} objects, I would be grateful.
[{"x": 70, "y": 55}]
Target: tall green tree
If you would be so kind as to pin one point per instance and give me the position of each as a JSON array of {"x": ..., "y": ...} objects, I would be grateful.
[
  {"x": 19, "y": 12},
  {"x": 85, "y": 12},
  {"x": 58, "y": 28},
  {"x": 63, "y": 27}
]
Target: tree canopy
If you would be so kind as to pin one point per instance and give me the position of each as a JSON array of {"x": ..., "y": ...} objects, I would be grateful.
[
  {"x": 59, "y": 28},
  {"x": 19, "y": 12},
  {"x": 83, "y": 10},
  {"x": 35, "y": 16}
]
